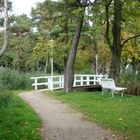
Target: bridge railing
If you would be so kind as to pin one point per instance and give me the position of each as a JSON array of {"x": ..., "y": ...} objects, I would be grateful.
[
  {"x": 57, "y": 82},
  {"x": 83, "y": 80},
  {"x": 48, "y": 82}
]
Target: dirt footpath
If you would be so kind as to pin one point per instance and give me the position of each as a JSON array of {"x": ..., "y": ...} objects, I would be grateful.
[{"x": 60, "y": 122}]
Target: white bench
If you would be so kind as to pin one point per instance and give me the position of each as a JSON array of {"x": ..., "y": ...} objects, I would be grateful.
[{"x": 107, "y": 83}]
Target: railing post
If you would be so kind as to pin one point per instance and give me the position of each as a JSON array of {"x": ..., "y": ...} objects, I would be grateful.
[
  {"x": 88, "y": 80},
  {"x": 94, "y": 80},
  {"x": 81, "y": 77},
  {"x": 74, "y": 83},
  {"x": 50, "y": 83},
  {"x": 62, "y": 81},
  {"x": 99, "y": 79},
  {"x": 35, "y": 83}
]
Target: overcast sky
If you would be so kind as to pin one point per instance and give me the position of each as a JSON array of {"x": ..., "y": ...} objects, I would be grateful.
[{"x": 23, "y": 6}]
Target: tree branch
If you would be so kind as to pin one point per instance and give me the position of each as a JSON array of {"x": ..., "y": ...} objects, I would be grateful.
[{"x": 129, "y": 39}]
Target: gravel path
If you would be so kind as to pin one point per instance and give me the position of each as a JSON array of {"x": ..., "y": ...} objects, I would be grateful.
[{"x": 60, "y": 122}]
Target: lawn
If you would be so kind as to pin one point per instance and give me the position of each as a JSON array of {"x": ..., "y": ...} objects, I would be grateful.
[
  {"x": 121, "y": 115},
  {"x": 19, "y": 122}
]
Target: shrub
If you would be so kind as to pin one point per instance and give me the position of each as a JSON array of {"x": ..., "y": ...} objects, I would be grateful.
[
  {"x": 5, "y": 98},
  {"x": 13, "y": 80},
  {"x": 132, "y": 82}
]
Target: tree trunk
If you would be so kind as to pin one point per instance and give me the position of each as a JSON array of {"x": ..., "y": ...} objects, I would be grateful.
[
  {"x": 95, "y": 52},
  {"x": 69, "y": 75},
  {"x": 116, "y": 47},
  {"x": 5, "y": 42},
  {"x": 65, "y": 39},
  {"x": 37, "y": 65},
  {"x": 46, "y": 65},
  {"x": 65, "y": 66}
]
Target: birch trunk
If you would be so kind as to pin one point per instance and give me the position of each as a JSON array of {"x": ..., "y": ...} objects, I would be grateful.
[{"x": 5, "y": 40}]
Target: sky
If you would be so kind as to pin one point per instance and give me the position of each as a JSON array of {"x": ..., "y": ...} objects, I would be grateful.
[{"x": 23, "y": 6}]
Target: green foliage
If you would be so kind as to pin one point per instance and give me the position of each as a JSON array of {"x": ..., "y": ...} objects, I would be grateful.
[
  {"x": 19, "y": 121},
  {"x": 29, "y": 46},
  {"x": 132, "y": 82},
  {"x": 42, "y": 49},
  {"x": 82, "y": 63},
  {"x": 5, "y": 98},
  {"x": 13, "y": 80},
  {"x": 20, "y": 24},
  {"x": 121, "y": 115},
  {"x": 21, "y": 41}
]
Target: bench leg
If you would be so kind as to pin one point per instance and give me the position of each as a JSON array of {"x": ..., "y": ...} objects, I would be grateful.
[
  {"x": 102, "y": 91},
  {"x": 113, "y": 93},
  {"x": 122, "y": 94}
]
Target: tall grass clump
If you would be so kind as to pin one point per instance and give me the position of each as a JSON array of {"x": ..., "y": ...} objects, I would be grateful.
[
  {"x": 13, "y": 80},
  {"x": 5, "y": 98},
  {"x": 132, "y": 82}
]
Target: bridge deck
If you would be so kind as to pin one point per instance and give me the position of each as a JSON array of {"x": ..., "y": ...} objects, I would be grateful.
[{"x": 89, "y": 88}]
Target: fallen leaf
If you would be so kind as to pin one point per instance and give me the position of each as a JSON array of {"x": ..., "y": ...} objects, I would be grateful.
[{"x": 120, "y": 119}]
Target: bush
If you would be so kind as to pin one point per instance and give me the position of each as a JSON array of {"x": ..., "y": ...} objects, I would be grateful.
[
  {"x": 12, "y": 80},
  {"x": 132, "y": 82},
  {"x": 5, "y": 98}
]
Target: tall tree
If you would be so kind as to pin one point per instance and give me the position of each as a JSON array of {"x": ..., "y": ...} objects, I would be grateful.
[
  {"x": 69, "y": 75},
  {"x": 116, "y": 46},
  {"x": 5, "y": 36},
  {"x": 20, "y": 30}
]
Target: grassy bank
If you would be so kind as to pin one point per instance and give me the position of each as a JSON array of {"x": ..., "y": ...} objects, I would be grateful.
[
  {"x": 18, "y": 121},
  {"x": 121, "y": 115}
]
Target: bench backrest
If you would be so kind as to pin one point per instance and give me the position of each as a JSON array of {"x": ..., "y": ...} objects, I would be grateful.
[{"x": 107, "y": 83}]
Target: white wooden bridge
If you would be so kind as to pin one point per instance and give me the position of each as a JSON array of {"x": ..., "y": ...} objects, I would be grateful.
[{"x": 57, "y": 82}]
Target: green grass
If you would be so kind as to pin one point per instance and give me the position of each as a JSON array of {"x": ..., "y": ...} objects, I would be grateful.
[
  {"x": 19, "y": 122},
  {"x": 121, "y": 115}
]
